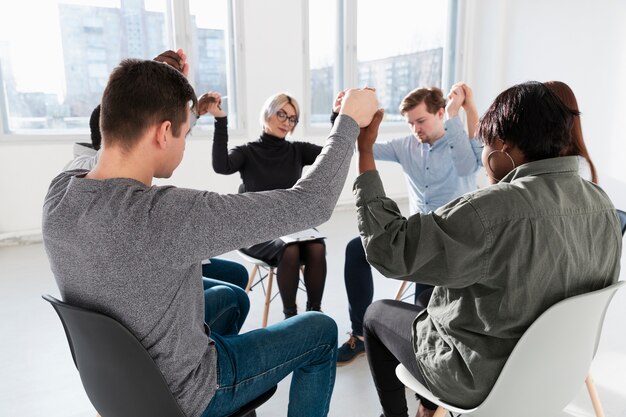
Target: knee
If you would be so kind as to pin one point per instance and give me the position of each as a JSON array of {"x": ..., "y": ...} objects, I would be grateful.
[
  {"x": 240, "y": 276},
  {"x": 374, "y": 311},
  {"x": 354, "y": 246},
  {"x": 226, "y": 296},
  {"x": 321, "y": 324},
  {"x": 355, "y": 252}
]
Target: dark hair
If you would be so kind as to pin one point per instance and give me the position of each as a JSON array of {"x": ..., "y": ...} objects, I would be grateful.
[
  {"x": 432, "y": 97},
  {"x": 94, "y": 127},
  {"x": 138, "y": 95},
  {"x": 576, "y": 146},
  {"x": 530, "y": 117}
]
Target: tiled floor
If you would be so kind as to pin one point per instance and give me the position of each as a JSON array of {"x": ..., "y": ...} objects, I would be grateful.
[{"x": 37, "y": 376}]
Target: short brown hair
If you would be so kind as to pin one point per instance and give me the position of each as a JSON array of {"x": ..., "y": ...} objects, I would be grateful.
[
  {"x": 138, "y": 95},
  {"x": 433, "y": 97}
]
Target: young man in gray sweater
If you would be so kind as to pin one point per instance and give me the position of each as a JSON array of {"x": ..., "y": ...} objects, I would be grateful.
[{"x": 123, "y": 247}]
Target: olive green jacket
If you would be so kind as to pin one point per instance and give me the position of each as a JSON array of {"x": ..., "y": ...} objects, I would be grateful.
[{"x": 498, "y": 258}]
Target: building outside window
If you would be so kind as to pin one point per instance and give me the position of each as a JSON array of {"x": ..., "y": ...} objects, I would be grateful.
[
  {"x": 52, "y": 82},
  {"x": 395, "y": 48}
]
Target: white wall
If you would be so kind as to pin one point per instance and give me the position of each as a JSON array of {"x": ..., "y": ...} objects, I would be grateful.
[
  {"x": 505, "y": 42},
  {"x": 579, "y": 42}
]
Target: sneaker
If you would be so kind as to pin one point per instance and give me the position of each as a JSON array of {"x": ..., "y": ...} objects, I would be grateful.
[{"x": 350, "y": 350}]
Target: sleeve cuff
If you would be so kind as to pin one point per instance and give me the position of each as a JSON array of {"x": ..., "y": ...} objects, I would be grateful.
[{"x": 367, "y": 187}]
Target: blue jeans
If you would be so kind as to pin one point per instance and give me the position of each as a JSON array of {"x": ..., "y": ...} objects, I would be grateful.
[
  {"x": 250, "y": 364},
  {"x": 226, "y": 306},
  {"x": 225, "y": 270},
  {"x": 360, "y": 284}
]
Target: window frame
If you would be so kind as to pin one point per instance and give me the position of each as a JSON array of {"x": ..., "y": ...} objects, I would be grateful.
[
  {"x": 346, "y": 62},
  {"x": 179, "y": 33}
]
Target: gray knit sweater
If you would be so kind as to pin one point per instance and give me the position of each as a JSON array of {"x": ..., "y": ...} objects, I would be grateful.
[{"x": 134, "y": 252}]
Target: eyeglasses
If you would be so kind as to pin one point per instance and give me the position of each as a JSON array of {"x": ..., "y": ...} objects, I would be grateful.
[{"x": 282, "y": 116}]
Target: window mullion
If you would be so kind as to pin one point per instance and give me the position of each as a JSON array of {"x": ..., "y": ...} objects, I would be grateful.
[
  {"x": 180, "y": 26},
  {"x": 350, "y": 64}
]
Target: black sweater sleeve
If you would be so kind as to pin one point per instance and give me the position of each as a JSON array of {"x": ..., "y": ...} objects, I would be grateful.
[
  {"x": 225, "y": 162},
  {"x": 310, "y": 151}
]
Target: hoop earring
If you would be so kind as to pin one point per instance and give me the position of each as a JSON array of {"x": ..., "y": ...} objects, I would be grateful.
[{"x": 489, "y": 163}]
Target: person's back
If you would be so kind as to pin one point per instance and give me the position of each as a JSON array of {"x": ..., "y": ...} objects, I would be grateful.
[
  {"x": 498, "y": 257},
  {"x": 553, "y": 235}
]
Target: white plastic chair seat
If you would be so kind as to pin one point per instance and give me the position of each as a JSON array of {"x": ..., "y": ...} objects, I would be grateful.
[{"x": 548, "y": 364}]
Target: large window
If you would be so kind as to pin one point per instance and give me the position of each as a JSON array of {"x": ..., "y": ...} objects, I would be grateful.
[
  {"x": 395, "y": 48},
  {"x": 55, "y": 62}
]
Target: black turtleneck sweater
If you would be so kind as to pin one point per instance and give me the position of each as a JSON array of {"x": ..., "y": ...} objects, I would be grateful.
[{"x": 269, "y": 163}]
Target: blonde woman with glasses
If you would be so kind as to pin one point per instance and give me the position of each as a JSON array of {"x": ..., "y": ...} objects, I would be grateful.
[{"x": 268, "y": 163}]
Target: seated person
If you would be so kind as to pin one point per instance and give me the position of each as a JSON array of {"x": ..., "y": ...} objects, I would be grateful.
[
  {"x": 269, "y": 163},
  {"x": 440, "y": 162},
  {"x": 498, "y": 257},
  {"x": 226, "y": 307},
  {"x": 85, "y": 154},
  {"x": 121, "y": 246}
]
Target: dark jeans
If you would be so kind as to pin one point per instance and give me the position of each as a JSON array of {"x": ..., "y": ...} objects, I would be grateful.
[
  {"x": 225, "y": 300},
  {"x": 388, "y": 326},
  {"x": 360, "y": 284},
  {"x": 225, "y": 270}
]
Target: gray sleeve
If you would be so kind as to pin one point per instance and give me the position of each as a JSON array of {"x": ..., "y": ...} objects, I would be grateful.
[{"x": 213, "y": 224}]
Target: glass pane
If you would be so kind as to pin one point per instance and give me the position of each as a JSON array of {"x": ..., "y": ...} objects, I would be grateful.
[
  {"x": 53, "y": 76},
  {"x": 400, "y": 48},
  {"x": 322, "y": 50},
  {"x": 209, "y": 53}
]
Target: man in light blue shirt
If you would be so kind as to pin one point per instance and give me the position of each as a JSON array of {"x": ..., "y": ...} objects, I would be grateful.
[{"x": 439, "y": 161}]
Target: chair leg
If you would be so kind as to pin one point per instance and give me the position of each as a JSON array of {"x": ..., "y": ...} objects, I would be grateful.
[
  {"x": 593, "y": 394},
  {"x": 400, "y": 291},
  {"x": 255, "y": 269},
  {"x": 441, "y": 412},
  {"x": 268, "y": 297}
]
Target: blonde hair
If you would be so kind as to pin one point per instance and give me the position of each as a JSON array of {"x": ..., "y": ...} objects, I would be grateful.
[{"x": 275, "y": 103}]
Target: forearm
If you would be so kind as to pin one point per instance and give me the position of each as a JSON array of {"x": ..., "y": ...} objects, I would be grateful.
[
  {"x": 366, "y": 161},
  {"x": 472, "y": 121},
  {"x": 220, "y": 158},
  {"x": 463, "y": 156}
]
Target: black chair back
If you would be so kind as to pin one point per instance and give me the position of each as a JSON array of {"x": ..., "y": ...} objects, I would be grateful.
[{"x": 117, "y": 372}]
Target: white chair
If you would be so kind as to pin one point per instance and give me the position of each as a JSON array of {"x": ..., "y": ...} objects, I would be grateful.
[
  {"x": 547, "y": 365},
  {"x": 264, "y": 271}
]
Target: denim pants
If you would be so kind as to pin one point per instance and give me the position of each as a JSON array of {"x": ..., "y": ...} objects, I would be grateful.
[
  {"x": 251, "y": 363},
  {"x": 226, "y": 306},
  {"x": 225, "y": 270},
  {"x": 360, "y": 284}
]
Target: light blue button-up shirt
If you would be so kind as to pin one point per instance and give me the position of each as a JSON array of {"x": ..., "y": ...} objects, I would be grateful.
[{"x": 435, "y": 174}]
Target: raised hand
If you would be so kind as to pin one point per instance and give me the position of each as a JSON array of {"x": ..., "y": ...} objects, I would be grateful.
[
  {"x": 338, "y": 99},
  {"x": 176, "y": 60},
  {"x": 456, "y": 98},
  {"x": 211, "y": 102},
  {"x": 360, "y": 104}
]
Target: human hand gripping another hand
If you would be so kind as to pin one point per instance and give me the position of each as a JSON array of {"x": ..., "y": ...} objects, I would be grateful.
[
  {"x": 456, "y": 98},
  {"x": 360, "y": 104},
  {"x": 211, "y": 102},
  {"x": 338, "y": 100},
  {"x": 176, "y": 60},
  {"x": 365, "y": 143}
]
